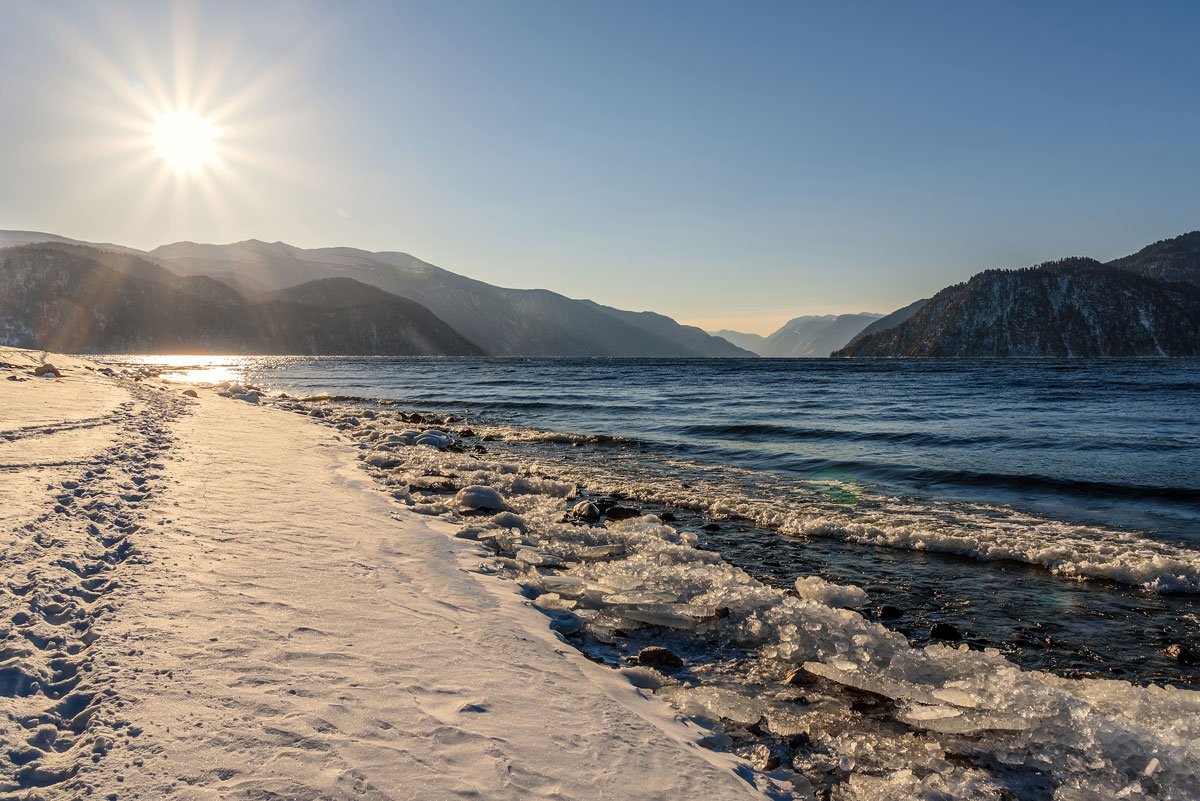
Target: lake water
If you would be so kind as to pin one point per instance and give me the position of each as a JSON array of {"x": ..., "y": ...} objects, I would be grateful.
[{"x": 1048, "y": 508}]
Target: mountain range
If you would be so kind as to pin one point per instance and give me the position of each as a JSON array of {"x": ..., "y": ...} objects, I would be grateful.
[
  {"x": 75, "y": 299},
  {"x": 253, "y": 296},
  {"x": 496, "y": 321}
]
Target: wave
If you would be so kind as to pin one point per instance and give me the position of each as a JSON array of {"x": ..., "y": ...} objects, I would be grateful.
[{"x": 763, "y": 431}]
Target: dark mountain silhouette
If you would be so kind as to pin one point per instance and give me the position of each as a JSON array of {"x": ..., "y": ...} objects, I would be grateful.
[
  {"x": 1176, "y": 259},
  {"x": 77, "y": 299},
  {"x": 1074, "y": 307},
  {"x": 508, "y": 322}
]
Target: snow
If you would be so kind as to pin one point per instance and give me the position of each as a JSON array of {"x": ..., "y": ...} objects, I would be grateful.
[
  {"x": 299, "y": 622},
  {"x": 948, "y": 719},
  {"x": 275, "y": 626}
]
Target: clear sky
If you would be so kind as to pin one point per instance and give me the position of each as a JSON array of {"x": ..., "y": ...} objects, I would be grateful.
[{"x": 731, "y": 164}]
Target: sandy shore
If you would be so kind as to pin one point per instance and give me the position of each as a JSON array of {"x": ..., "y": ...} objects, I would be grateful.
[{"x": 202, "y": 598}]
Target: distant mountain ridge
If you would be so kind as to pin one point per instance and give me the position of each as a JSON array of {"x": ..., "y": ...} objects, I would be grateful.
[
  {"x": 750, "y": 342},
  {"x": 815, "y": 335},
  {"x": 78, "y": 299},
  {"x": 804, "y": 337},
  {"x": 505, "y": 322}
]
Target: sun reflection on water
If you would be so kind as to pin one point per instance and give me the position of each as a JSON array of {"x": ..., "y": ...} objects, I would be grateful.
[{"x": 188, "y": 369}]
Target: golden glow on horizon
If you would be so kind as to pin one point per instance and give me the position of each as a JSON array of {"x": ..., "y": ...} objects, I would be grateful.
[{"x": 185, "y": 140}]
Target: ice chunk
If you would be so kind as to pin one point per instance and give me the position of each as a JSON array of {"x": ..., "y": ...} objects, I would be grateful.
[
  {"x": 727, "y": 705},
  {"x": 814, "y": 588}
]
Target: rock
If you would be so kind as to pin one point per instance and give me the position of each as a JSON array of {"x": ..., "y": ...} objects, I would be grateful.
[
  {"x": 434, "y": 438},
  {"x": 944, "y": 631},
  {"x": 510, "y": 520},
  {"x": 1182, "y": 654},
  {"x": 621, "y": 512},
  {"x": 656, "y": 656},
  {"x": 47, "y": 369},
  {"x": 889, "y": 612},
  {"x": 477, "y": 498},
  {"x": 465, "y": 433},
  {"x": 666, "y": 517},
  {"x": 585, "y": 510},
  {"x": 712, "y": 527},
  {"x": 798, "y": 677},
  {"x": 191, "y": 393}
]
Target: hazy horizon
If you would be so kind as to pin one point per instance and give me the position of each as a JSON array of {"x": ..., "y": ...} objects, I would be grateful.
[{"x": 732, "y": 168}]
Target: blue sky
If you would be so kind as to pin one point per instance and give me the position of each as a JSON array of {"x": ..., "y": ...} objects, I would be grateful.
[{"x": 730, "y": 164}]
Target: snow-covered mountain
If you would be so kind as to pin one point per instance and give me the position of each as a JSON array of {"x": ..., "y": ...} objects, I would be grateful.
[
  {"x": 1074, "y": 307},
  {"x": 505, "y": 322}
]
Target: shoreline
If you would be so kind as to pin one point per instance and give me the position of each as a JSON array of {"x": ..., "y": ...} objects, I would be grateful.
[
  {"x": 226, "y": 607},
  {"x": 838, "y": 702},
  {"x": 634, "y": 582}
]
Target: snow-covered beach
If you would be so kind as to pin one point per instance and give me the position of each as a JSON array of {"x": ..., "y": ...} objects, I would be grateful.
[
  {"x": 210, "y": 597},
  {"x": 204, "y": 599}
]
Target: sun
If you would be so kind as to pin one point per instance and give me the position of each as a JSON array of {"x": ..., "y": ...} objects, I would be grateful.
[{"x": 186, "y": 141}]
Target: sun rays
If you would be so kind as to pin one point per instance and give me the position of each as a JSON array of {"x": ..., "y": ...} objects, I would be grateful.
[{"x": 196, "y": 124}]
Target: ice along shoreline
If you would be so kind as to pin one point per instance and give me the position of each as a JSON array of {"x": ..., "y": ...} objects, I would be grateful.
[{"x": 816, "y": 695}]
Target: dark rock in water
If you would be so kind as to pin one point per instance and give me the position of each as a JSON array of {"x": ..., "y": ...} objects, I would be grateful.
[
  {"x": 191, "y": 393},
  {"x": 656, "y": 656},
  {"x": 889, "y": 612},
  {"x": 466, "y": 433},
  {"x": 712, "y": 527},
  {"x": 621, "y": 512},
  {"x": 944, "y": 631},
  {"x": 43, "y": 369},
  {"x": 666, "y": 517},
  {"x": 489, "y": 437},
  {"x": 1182, "y": 654}
]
